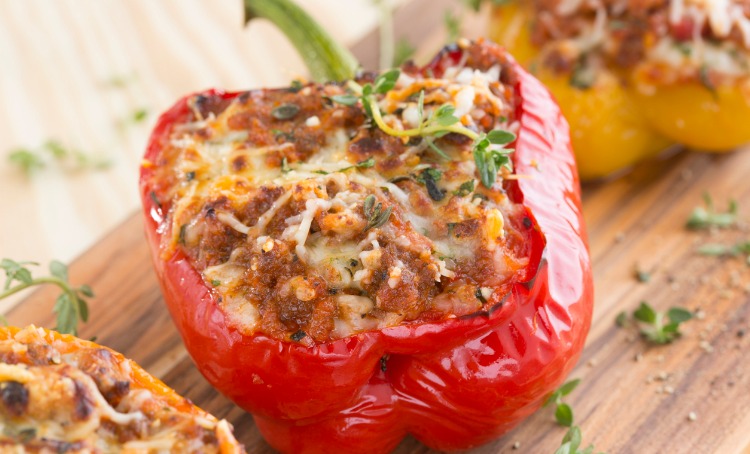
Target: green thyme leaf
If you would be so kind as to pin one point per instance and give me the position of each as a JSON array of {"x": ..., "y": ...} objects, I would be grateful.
[
  {"x": 59, "y": 270},
  {"x": 27, "y": 160},
  {"x": 679, "y": 315},
  {"x": 571, "y": 443},
  {"x": 365, "y": 164},
  {"x": 346, "y": 100},
  {"x": 443, "y": 116},
  {"x": 285, "y": 111},
  {"x": 139, "y": 115},
  {"x": 437, "y": 149},
  {"x": 660, "y": 328},
  {"x": 466, "y": 188},
  {"x": 86, "y": 291},
  {"x": 430, "y": 173},
  {"x": 500, "y": 137},
  {"x": 723, "y": 250},
  {"x": 52, "y": 151},
  {"x": 55, "y": 148},
  {"x": 641, "y": 276},
  {"x": 386, "y": 81},
  {"x": 568, "y": 387},
  {"x": 70, "y": 305},
  {"x": 563, "y": 411},
  {"x": 296, "y": 86},
  {"x": 375, "y": 214},
  {"x": 564, "y": 415},
  {"x": 645, "y": 313},
  {"x": 622, "y": 319},
  {"x": 704, "y": 218}
]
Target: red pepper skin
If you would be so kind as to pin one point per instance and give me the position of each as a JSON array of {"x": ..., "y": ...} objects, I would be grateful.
[{"x": 453, "y": 384}]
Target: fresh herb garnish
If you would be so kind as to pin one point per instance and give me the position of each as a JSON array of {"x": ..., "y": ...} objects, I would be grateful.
[
  {"x": 704, "y": 218},
  {"x": 440, "y": 122},
  {"x": 571, "y": 443},
  {"x": 375, "y": 214},
  {"x": 285, "y": 111},
  {"x": 215, "y": 282},
  {"x": 466, "y": 188},
  {"x": 563, "y": 411},
  {"x": 346, "y": 100},
  {"x": 296, "y": 86},
  {"x": 30, "y": 160},
  {"x": 366, "y": 164},
  {"x": 622, "y": 319},
  {"x": 654, "y": 325},
  {"x": 430, "y": 173},
  {"x": 298, "y": 336},
  {"x": 70, "y": 305},
  {"x": 139, "y": 115},
  {"x": 489, "y": 161},
  {"x": 723, "y": 250},
  {"x": 641, "y": 275}
]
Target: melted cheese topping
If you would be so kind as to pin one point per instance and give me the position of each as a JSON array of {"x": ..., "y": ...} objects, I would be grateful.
[
  {"x": 667, "y": 41},
  {"x": 271, "y": 209},
  {"x": 54, "y": 397}
]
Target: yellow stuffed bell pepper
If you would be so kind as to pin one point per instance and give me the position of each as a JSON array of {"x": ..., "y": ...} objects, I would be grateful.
[{"x": 635, "y": 76}]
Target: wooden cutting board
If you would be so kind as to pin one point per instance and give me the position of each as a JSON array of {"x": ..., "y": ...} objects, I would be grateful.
[{"x": 633, "y": 398}]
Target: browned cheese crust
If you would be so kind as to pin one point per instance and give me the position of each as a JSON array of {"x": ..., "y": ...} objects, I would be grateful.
[{"x": 267, "y": 194}]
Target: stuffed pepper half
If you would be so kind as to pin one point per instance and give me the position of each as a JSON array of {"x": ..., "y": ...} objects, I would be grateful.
[
  {"x": 62, "y": 394},
  {"x": 353, "y": 262},
  {"x": 633, "y": 76}
]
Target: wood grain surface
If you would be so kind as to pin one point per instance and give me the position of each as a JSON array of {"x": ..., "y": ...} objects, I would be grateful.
[{"x": 633, "y": 398}]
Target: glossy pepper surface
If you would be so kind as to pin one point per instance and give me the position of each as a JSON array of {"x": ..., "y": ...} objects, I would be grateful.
[
  {"x": 615, "y": 122},
  {"x": 453, "y": 384}
]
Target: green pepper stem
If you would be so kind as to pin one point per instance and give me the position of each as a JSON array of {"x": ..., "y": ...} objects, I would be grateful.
[{"x": 326, "y": 59}]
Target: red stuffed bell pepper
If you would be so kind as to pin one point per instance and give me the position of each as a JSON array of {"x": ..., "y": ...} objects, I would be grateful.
[{"x": 354, "y": 262}]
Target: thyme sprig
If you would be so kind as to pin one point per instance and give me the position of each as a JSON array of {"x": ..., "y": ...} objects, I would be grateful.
[
  {"x": 704, "y": 218},
  {"x": 439, "y": 122},
  {"x": 563, "y": 411},
  {"x": 375, "y": 214},
  {"x": 724, "y": 250},
  {"x": 29, "y": 160},
  {"x": 571, "y": 443},
  {"x": 70, "y": 305},
  {"x": 659, "y": 327}
]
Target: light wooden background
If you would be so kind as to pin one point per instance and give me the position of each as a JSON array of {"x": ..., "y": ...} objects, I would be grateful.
[{"x": 58, "y": 62}]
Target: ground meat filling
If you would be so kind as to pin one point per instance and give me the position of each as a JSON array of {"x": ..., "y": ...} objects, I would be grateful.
[
  {"x": 310, "y": 223},
  {"x": 73, "y": 396},
  {"x": 666, "y": 41}
]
